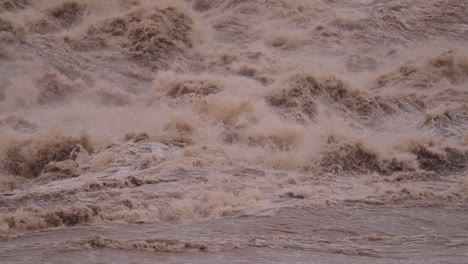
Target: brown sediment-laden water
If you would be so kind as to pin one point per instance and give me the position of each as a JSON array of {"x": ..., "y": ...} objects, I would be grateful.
[{"x": 233, "y": 131}]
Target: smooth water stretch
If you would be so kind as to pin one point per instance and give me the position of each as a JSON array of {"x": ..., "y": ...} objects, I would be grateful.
[{"x": 233, "y": 131}]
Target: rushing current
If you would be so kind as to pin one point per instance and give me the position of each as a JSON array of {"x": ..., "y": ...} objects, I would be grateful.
[{"x": 234, "y": 131}]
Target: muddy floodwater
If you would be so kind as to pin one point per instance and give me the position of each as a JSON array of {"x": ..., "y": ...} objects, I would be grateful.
[{"x": 234, "y": 131}]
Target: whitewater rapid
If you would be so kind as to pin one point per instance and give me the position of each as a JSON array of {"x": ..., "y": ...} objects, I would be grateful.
[{"x": 138, "y": 131}]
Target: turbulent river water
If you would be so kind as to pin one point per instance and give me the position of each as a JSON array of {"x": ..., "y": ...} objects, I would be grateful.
[{"x": 233, "y": 131}]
